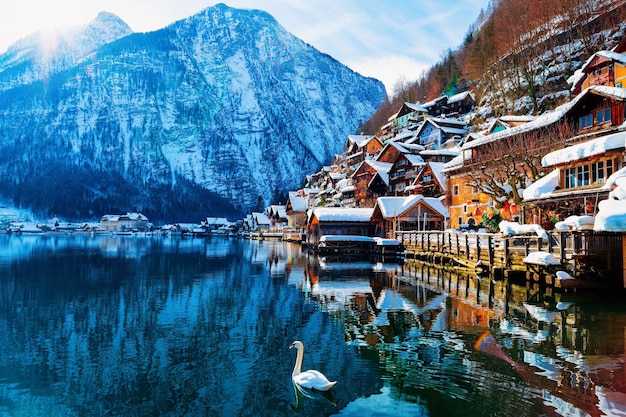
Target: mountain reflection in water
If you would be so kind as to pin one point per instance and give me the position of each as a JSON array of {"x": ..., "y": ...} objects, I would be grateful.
[{"x": 111, "y": 325}]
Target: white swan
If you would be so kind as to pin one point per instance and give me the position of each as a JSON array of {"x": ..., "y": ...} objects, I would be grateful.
[{"x": 311, "y": 379}]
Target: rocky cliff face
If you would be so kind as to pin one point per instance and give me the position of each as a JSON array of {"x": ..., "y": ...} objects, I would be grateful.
[{"x": 210, "y": 115}]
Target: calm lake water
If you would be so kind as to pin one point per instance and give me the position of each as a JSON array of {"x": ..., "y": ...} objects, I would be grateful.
[{"x": 155, "y": 326}]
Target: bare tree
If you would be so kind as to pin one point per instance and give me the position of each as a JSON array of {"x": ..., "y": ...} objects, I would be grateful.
[{"x": 504, "y": 167}]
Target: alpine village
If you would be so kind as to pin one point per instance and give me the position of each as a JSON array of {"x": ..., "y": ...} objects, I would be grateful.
[{"x": 538, "y": 195}]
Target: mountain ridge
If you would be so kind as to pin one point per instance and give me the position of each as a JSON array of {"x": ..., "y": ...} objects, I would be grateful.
[{"x": 211, "y": 115}]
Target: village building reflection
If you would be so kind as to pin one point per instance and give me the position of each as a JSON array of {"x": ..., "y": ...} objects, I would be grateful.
[{"x": 413, "y": 316}]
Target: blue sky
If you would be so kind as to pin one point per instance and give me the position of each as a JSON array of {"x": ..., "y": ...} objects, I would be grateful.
[{"x": 387, "y": 40}]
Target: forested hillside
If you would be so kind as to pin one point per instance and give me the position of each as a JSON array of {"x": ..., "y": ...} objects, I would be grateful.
[{"x": 516, "y": 57}]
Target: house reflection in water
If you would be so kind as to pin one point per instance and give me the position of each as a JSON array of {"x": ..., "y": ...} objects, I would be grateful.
[{"x": 571, "y": 350}]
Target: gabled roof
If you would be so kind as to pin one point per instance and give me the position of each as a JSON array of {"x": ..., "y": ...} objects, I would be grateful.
[
  {"x": 278, "y": 210},
  {"x": 414, "y": 159},
  {"x": 391, "y": 207},
  {"x": 448, "y": 125},
  {"x": 407, "y": 108},
  {"x": 260, "y": 218},
  {"x": 377, "y": 166},
  {"x": 216, "y": 221},
  {"x": 341, "y": 214},
  {"x": 579, "y": 75},
  {"x": 461, "y": 97},
  {"x": 359, "y": 140},
  {"x": 297, "y": 202},
  {"x": 437, "y": 169}
]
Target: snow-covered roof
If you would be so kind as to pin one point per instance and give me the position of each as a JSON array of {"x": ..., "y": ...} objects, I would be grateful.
[
  {"x": 579, "y": 74},
  {"x": 260, "y": 218},
  {"x": 543, "y": 187},
  {"x": 360, "y": 140},
  {"x": 337, "y": 175},
  {"x": 442, "y": 152},
  {"x": 298, "y": 203},
  {"x": 342, "y": 214},
  {"x": 131, "y": 216},
  {"x": 517, "y": 118},
  {"x": 396, "y": 206},
  {"x": 460, "y": 97},
  {"x": 585, "y": 149},
  {"x": 416, "y": 107},
  {"x": 548, "y": 118},
  {"x": 448, "y": 121},
  {"x": 414, "y": 159},
  {"x": 216, "y": 221},
  {"x": 437, "y": 169},
  {"x": 380, "y": 166},
  {"x": 279, "y": 210}
]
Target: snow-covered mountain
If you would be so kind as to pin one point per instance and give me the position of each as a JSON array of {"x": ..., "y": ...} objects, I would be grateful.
[{"x": 210, "y": 115}]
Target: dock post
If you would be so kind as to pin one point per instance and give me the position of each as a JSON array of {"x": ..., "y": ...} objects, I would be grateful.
[{"x": 624, "y": 259}]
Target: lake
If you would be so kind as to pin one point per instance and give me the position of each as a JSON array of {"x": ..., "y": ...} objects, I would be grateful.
[{"x": 163, "y": 326}]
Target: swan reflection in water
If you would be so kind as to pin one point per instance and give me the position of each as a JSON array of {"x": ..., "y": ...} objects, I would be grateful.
[{"x": 300, "y": 392}]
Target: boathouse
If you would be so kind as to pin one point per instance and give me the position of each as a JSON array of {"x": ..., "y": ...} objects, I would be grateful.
[
  {"x": 415, "y": 212},
  {"x": 337, "y": 221}
]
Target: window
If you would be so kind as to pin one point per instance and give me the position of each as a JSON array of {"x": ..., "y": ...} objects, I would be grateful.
[
  {"x": 455, "y": 190},
  {"x": 585, "y": 121},
  {"x": 464, "y": 208},
  {"x": 597, "y": 172},
  {"x": 592, "y": 173},
  {"x": 582, "y": 175},
  {"x": 570, "y": 178},
  {"x": 427, "y": 177},
  {"x": 603, "y": 116}
]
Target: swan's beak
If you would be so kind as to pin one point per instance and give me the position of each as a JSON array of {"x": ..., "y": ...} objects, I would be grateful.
[{"x": 290, "y": 347}]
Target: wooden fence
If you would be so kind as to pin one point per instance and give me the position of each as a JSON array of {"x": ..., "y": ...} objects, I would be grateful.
[{"x": 583, "y": 254}]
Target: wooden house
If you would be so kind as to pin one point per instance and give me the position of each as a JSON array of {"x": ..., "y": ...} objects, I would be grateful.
[
  {"x": 404, "y": 171},
  {"x": 437, "y": 107},
  {"x": 430, "y": 181},
  {"x": 407, "y": 114},
  {"x": 580, "y": 177},
  {"x": 277, "y": 214},
  {"x": 260, "y": 222},
  {"x": 606, "y": 68},
  {"x": 392, "y": 149},
  {"x": 415, "y": 212},
  {"x": 439, "y": 133},
  {"x": 295, "y": 209},
  {"x": 599, "y": 110},
  {"x": 364, "y": 194},
  {"x": 360, "y": 148},
  {"x": 323, "y": 221},
  {"x": 461, "y": 103}
]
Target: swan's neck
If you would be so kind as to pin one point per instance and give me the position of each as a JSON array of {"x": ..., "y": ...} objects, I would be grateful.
[{"x": 298, "y": 365}]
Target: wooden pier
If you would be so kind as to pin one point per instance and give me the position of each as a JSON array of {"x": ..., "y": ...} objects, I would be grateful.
[{"x": 591, "y": 259}]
